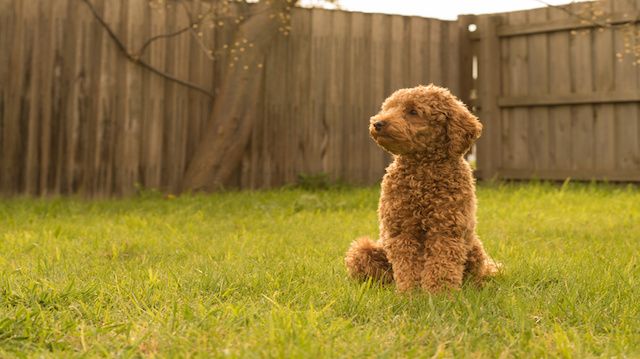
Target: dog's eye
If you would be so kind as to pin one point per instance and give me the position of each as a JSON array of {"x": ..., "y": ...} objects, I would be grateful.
[{"x": 413, "y": 112}]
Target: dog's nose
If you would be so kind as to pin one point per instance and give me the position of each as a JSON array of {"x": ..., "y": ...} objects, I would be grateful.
[{"x": 379, "y": 125}]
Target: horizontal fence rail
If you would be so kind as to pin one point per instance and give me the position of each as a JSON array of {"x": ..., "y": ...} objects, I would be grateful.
[
  {"x": 567, "y": 24},
  {"x": 569, "y": 99}
]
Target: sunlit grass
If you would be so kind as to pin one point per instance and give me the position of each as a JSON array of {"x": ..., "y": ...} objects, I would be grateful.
[{"x": 261, "y": 275}]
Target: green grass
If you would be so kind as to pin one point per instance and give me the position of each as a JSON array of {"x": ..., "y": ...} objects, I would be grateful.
[{"x": 261, "y": 275}]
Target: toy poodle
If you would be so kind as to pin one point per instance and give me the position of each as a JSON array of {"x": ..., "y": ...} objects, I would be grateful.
[{"x": 427, "y": 209}]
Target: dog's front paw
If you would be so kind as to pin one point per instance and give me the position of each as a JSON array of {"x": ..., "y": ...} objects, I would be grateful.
[
  {"x": 405, "y": 287},
  {"x": 439, "y": 286},
  {"x": 492, "y": 268},
  {"x": 436, "y": 279}
]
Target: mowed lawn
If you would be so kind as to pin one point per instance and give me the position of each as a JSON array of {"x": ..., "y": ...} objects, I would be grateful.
[{"x": 261, "y": 274}]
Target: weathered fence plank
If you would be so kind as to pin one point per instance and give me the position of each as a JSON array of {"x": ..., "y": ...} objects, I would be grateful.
[
  {"x": 604, "y": 125},
  {"x": 538, "y": 85},
  {"x": 627, "y": 151},
  {"x": 582, "y": 153},
  {"x": 377, "y": 90},
  {"x": 518, "y": 118},
  {"x": 490, "y": 81}
]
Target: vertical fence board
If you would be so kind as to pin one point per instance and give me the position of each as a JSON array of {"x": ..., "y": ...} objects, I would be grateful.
[
  {"x": 361, "y": 82},
  {"x": 490, "y": 144},
  {"x": 302, "y": 49},
  {"x": 417, "y": 32},
  {"x": 559, "y": 81},
  {"x": 519, "y": 76},
  {"x": 336, "y": 107},
  {"x": 6, "y": 43},
  {"x": 271, "y": 118},
  {"x": 71, "y": 87},
  {"x": 89, "y": 102},
  {"x": 467, "y": 50},
  {"x": 505, "y": 151},
  {"x": 132, "y": 91},
  {"x": 435, "y": 55},
  {"x": 627, "y": 141},
  {"x": 604, "y": 115},
  {"x": 196, "y": 55},
  {"x": 538, "y": 85},
  {"x": 278, "y": 125},
  {"x": 452, "y": 57},
  {"x": 355, "y": 122},
  {"x": 582, "y": 154},
  {"x": 377, "y": 158},
  {"x": 182, "y": 99},
  {"x": 152, "y": 153},
  {"x": 32, "y": 97},
  {"x": 168, "y": 109},
  {"x": 107, "y": 114},
  {"x": 396, "y": 48},
  {"x": 299, "y": 49},
  {"x": 637, "y": 58},
  {"x": 11, "y": 136},
  {"x": 316, "y": 133},
  {"x": 46, "y": 67}
]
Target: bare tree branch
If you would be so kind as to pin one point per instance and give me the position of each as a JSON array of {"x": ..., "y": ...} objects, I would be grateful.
[
  {"x": 135, "y": 59},
  {"x": 161, "y": 36},
  {"x": 566, "y": 10},
  {"x": 606, "y": 24},
  {"x": 191, "y": 28},
  {"x": 196, "y": 36}
]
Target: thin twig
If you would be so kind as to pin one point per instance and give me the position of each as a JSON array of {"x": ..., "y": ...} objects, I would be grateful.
[
  {"x": 161, "y": 36},
  {"x": 210, "y": 53},
  {"x": 198, "y": 39},
  {"x": 135, "y": 59},
  {"x": 605, "y": 25},
  {"x": 564, "y": 8},
  {"x": 178, "y": 32}
]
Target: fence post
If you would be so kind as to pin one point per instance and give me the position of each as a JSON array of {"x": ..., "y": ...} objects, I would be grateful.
[
  {"x": 489, "y": 145},
  {"x": 466, "y": 58}
]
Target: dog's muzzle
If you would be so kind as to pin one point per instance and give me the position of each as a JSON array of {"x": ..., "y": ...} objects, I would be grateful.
[{"x": 378, "y": 126}]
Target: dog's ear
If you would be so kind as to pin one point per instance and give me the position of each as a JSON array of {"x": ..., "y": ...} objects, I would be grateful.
[{"x": 463, "y": 129}]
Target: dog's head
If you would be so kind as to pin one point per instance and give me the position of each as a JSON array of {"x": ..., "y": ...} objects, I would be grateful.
[{"x": 426, "y": 120}]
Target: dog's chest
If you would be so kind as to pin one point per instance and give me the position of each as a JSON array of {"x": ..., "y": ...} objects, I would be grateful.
[{"x": 407, "y": 203}]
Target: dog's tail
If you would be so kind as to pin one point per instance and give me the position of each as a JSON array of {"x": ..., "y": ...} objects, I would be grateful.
[{"x": 366, "y": 259}]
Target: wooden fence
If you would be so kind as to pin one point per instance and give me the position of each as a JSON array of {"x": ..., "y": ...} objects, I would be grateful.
[
  {"x": 77, "y": 117},
  {"x": 558, "y": 95}
]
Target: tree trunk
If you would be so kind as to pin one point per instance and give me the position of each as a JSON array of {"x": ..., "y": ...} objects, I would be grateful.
[{"x": 228, "y": 130}]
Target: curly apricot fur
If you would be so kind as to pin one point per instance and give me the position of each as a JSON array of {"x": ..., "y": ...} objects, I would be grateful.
[{"x": 427, "y": 209}]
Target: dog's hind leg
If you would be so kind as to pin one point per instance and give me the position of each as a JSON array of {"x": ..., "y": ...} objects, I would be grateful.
[
  {"x": 366, "y": 259},
  {"x": 479, "y": 265}
]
